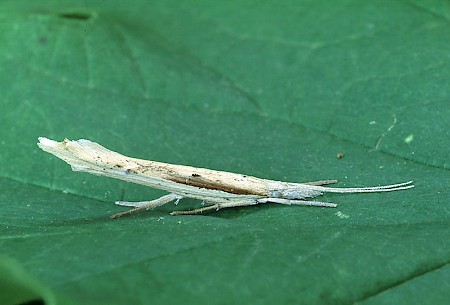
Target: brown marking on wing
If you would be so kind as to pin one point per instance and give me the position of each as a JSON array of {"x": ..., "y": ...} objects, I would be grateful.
[{"x": 212, "y": 185}]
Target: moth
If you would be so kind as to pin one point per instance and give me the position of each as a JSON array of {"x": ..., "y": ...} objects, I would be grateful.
[{"x": 216, "y": 189}]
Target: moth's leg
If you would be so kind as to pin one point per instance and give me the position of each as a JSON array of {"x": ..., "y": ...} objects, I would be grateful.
[
  {"x": 297, "y": 202},
  {"x": 321, "y": 182},
  {"x": 137, "y": 204},
  {"x": 146, "y": 205},
  {"x": 197, "y": 211},
  {"x": 216, "y": 206}
]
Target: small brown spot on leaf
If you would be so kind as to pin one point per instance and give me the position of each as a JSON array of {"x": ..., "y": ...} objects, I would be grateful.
[{"x": 42, "y": 40}]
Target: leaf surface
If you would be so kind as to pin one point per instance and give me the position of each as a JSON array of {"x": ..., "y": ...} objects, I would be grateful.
[{"x": 273, "y": 89}]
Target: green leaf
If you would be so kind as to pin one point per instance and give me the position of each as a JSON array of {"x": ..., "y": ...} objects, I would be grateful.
[
  {"x": 17, "y": 287},
  {"x": 271, "y": 89}
]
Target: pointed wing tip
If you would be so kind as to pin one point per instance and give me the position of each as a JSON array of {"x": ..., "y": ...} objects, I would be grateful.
[{"x": 46, "y": 142}]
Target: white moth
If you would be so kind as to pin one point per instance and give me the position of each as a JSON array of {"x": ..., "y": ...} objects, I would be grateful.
[{"x": 216, "y": 189}]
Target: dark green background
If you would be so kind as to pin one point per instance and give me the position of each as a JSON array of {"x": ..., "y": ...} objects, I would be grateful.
[{"x": 273, "y": 89}]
